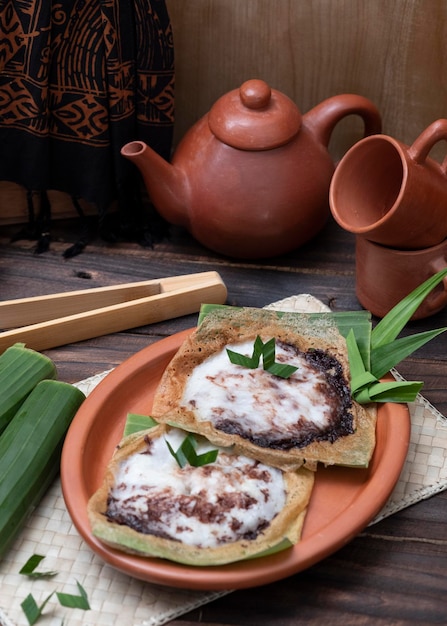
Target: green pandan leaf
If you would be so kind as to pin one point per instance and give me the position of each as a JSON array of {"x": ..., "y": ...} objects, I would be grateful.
[
  {"x": 387, "y": 356},
  {"x": 135, "y": 423},
  {"x": 32, "y": 610},
  {"x": 29, "y": 569},
  {"x": 186, "y": 453},
  {"x": 360, "y": 377},
  {"x": 205, "y": 309},
  {"x": 252, "y": 361},
  {"x": 393, "y": 391},
  {"x": 359, "y": 322},
  {"x": 395, "y": 320},
  {"x": 73, "y": 601},
  {"x": 267, "y": 351},
  {"x": 282, "y": 370},
  {"x": 284, "y": 544}
]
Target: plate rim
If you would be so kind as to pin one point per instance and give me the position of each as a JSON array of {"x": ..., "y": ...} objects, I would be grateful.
[{"x": 238, "y": 575}]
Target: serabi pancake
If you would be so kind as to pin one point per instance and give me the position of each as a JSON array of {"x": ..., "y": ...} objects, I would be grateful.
[
  {"x": 308, "y": 418},
  {"x": 225, "y": 511}
]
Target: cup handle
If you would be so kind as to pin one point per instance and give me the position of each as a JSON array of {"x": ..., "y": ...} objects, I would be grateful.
[
  {"x": 437, "y": 131},
  {"x": 436, "y": 302}
]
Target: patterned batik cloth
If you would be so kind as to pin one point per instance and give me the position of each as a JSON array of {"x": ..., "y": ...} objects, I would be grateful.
[{"x": 78, "y": 80}]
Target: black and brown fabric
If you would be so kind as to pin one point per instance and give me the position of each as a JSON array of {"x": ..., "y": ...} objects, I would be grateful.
[{"x": 78, "y": 80}]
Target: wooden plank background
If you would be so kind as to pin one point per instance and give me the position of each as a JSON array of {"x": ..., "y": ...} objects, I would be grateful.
[{"x": 394, "y": 53}]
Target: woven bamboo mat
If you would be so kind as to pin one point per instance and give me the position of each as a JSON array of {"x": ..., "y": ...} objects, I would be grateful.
[{"x": 116, "y": 598}]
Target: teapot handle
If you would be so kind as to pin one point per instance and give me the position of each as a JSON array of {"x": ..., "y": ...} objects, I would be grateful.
[{"x": 323, "y": 117}]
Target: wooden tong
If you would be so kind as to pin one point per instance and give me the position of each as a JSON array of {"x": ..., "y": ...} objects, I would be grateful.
[{"x": 58, "y": 319}]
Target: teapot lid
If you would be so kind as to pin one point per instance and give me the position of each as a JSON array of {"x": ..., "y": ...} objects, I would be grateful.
[{"x": 254, "y": 117}]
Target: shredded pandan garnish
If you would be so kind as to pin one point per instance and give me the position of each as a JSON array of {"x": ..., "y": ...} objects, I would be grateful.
[{"x": 267, "y": 350}]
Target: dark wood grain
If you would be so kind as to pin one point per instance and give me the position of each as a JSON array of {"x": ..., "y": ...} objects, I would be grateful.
[{"x": 394, "y": 572}]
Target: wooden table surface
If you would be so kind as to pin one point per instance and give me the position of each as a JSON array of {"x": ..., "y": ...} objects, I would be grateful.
[{"x": 394, "y": 572}]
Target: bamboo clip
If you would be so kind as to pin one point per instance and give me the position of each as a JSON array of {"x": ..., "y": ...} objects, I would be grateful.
[{"x": 58, "y": 319}]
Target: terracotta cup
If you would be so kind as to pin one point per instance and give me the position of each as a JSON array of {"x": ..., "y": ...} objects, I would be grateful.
[
  {"x": 386, "y": 275},
  {"x": 393, "y": 194}
]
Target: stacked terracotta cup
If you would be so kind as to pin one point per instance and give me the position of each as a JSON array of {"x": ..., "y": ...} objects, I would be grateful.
[{"x": 393, "y": 197}]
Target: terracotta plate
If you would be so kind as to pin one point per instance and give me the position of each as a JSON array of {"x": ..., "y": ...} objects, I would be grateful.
[{"x": 343, "y": 501}]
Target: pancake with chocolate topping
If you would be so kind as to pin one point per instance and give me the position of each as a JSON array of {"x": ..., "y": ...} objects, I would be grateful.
[
  {"x": 231, "y": 509},
  {"x": 304, "y": 419}
]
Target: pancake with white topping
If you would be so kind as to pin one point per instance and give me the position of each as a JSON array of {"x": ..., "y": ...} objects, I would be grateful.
[
  {"x": 305, "y": 418},
  {"x": 223, "y": 511}
]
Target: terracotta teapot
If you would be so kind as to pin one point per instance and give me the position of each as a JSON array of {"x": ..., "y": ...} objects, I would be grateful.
[{"x": 251, "y": 178}]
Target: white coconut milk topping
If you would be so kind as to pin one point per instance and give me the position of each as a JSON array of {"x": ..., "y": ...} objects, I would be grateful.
[
  {"x": 230, "y": 499},
  {"x": 260, "y": 402}
]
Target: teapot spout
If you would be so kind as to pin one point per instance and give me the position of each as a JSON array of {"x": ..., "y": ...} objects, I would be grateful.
[
  {"x": 166, "y": 184},
  {"x": 323, "y": 118}
]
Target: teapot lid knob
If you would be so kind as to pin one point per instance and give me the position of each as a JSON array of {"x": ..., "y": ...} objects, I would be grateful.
[
  {"x": 255, "y": 94},
  {"x": 254, "y": 117}
]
